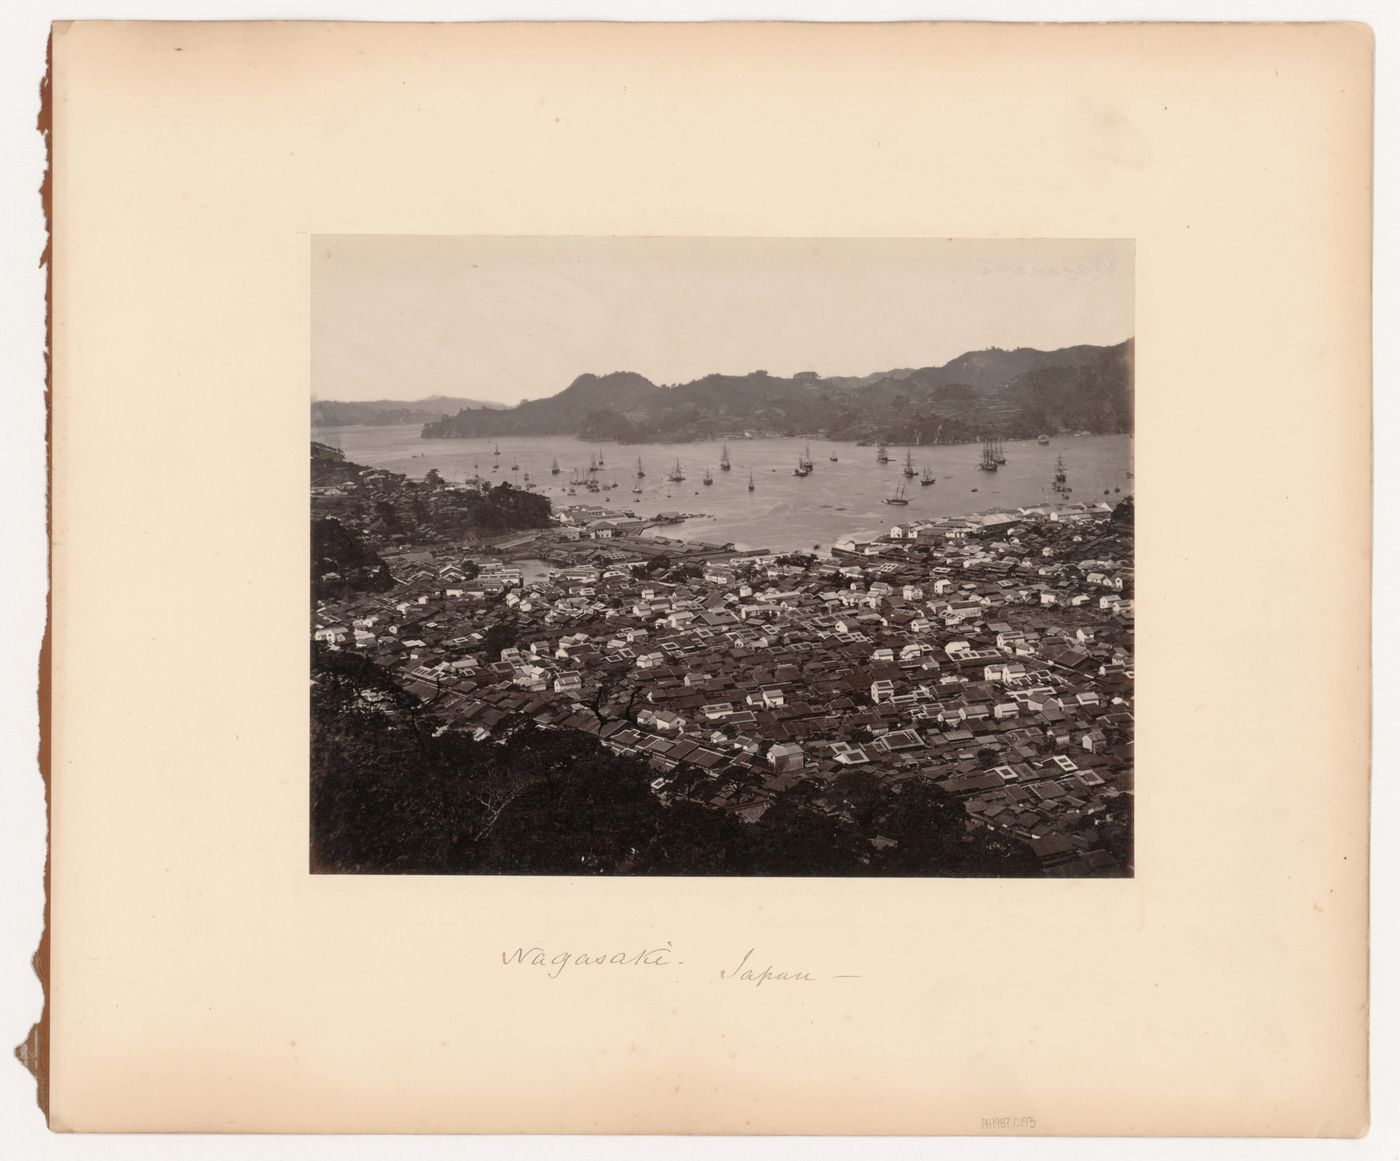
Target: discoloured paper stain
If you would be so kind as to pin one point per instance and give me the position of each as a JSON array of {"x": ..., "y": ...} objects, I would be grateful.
[{"x": 33, "y": 1051}]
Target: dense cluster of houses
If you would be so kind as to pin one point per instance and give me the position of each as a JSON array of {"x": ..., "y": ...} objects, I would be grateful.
[{"x": 989, "y": 655}]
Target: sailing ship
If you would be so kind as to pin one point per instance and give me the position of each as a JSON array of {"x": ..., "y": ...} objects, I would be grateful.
[
  {"x": 882, "y": 456},
  {"x": 640, "y": 471},
  {"x": 750, "y": 481},
  {"x": 998, "y": 454},
  {"x": 676, "y": 475},
  {"x": 593, "y": 462},
  {"x": 927, "y": 478},
  {"x": 497, "y": 451},
  {"x": 1060, "y": 485},
  {"x": 908, "y": 464},
  {"x": 803, "y": 467},
  {"x": 832, "y": 457},
  {"x": 709, "y": 479},
  {"x": 899, "y": 497},
  {"x": 515, "y": 467},
  {"x": 807, "y": 458},
  {"x": 554, "y": 468},
  {"x": 724, "y": 464},
  {"x": 637, "y": 487},
  {"x": 989, "y": 457}
]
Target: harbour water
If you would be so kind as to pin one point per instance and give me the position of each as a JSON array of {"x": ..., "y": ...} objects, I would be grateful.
[{"x": 841, "y": 497}]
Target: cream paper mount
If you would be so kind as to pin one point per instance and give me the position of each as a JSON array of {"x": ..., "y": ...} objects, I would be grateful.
[{"x": 201, "y": 979}]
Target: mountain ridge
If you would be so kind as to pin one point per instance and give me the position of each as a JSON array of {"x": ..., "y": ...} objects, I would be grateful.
[
  {"x": 382, "y": 412},
  {"x": 1009, "y": 393}
]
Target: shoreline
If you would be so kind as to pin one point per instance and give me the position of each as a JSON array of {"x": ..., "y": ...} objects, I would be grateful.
[{"x": 700, "y": 550}]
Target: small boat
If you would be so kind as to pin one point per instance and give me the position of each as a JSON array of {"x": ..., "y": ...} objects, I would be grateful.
[
  {"x": 497, "y": 451},
  {"x": 554, "y": 468},
  {"x": 709, "y": 479},
  {"x": 974, "y": 489},
  {"x": 1042, "y": 440},
  {"x": 640, "y": 472},
  {"x": 832, "y": 458},
  {"x": 882, "y": 456},
  {"x": 515, "y": 467}
]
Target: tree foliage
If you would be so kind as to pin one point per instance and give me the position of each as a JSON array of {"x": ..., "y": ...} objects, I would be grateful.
[{"x": 393, "y": 792}]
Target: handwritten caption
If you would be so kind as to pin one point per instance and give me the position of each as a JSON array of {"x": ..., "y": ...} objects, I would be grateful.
[{"x": 749, "y": 968}]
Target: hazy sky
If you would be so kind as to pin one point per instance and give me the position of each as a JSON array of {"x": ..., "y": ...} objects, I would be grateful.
[{"x": 510, "y": 318}]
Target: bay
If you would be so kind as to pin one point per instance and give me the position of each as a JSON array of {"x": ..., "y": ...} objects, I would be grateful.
[{"x": 784, "y": 512}]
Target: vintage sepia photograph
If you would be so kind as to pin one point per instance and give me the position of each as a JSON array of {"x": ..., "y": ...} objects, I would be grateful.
[{"x": 721, "y": 556}]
